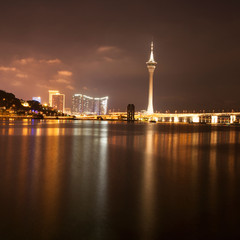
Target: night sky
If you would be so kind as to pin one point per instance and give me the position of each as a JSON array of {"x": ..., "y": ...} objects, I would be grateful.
[{"x": 100, "y": 48}]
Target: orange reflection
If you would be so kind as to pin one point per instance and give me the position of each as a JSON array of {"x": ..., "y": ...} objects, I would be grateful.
[
  {"x": 11, "y": 131},
  {"x": 50, "y": 175},
  {"x": 25, "y": 131},
  {"x": 22, "y": 175},
  {"x": 39, "y": 131},
  {"x": 148, "y": 189},
  {"x": 213, "y": 139}
]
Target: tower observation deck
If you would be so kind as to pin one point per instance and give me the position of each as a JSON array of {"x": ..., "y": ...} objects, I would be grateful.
[{"x": 151, "y": 65}]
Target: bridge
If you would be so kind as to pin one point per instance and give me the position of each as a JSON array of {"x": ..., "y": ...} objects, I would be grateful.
[{"x": 212, "y": 118}]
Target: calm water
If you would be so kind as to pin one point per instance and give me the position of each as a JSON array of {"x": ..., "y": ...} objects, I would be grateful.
[{"x": 112, "y": 180}]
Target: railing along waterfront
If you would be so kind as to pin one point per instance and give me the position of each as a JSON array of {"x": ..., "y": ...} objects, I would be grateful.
[{"x": 212, "y": 118}]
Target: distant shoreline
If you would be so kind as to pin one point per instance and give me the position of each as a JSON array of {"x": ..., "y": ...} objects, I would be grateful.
[{"x": 2, "y": 117}]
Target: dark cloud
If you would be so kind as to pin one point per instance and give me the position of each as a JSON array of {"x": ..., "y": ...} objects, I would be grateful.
[{"x": 105, "y": 45}]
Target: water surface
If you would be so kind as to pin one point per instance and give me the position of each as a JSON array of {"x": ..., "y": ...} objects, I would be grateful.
[{"x": 114, "y": 180}]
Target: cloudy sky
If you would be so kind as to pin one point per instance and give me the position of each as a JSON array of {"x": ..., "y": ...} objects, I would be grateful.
[{"x": 100, "y": 48}]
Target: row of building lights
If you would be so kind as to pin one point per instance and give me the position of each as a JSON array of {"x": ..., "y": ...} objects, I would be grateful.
[{"x": 81, "y": 104}]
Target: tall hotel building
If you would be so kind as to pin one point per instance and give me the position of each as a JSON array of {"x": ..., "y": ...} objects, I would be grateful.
[
  {"x": 82, "y": 104},
  {"x": 57, "y": 100},
  {"x": 52, "y": 92}
]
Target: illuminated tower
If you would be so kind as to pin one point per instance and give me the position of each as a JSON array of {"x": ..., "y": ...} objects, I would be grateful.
[
  {"x": 151, "y": 64},
  {"x": 51, "y": 93}
]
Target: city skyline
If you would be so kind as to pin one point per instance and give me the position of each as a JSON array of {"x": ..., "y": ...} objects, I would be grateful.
[
  {"x": 195, "y": 47},
  {"x": 119, "y": 119}
]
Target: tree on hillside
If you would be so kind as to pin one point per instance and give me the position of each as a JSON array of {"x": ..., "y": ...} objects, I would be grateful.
[{"x": 8, "y": 100}]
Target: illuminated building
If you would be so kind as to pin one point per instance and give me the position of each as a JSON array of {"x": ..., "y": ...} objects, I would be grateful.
[
  {"x": 151, "y": 65},
  {"x": 25, "y": 104},
  {"x": 82, "y": 104},
  {"x": 100, "y": 105},
  {"x": 51, "y": 92},
  {"x": 58, "y": 101},
  {"x": 88, "y": 104},
  {"x": 77, "y": 107},
  {"x": 103, "y": 105},
  {"x": 38, "y": 99}
]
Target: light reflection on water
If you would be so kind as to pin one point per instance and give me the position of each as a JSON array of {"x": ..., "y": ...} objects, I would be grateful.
[{"x": 103, "y": 180}]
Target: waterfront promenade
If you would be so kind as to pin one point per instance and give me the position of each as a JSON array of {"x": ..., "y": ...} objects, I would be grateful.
[
  {"x": 214, "y": 118},
  {"x": 210, "y": 118}
]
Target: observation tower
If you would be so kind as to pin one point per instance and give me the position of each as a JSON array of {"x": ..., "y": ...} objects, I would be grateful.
[{"x": 151, "y": 65}]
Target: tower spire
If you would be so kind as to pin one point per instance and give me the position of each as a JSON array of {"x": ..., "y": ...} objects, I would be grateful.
[{"x": 151, "y": 59}]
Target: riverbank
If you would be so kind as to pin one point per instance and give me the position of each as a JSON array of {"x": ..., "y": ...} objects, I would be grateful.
[{"x": 6, "y": 117}]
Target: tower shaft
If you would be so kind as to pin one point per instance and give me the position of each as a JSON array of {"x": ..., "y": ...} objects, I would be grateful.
[
  {"x": 151, "y": 65},
  {"x": 150, "y": 92}
]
